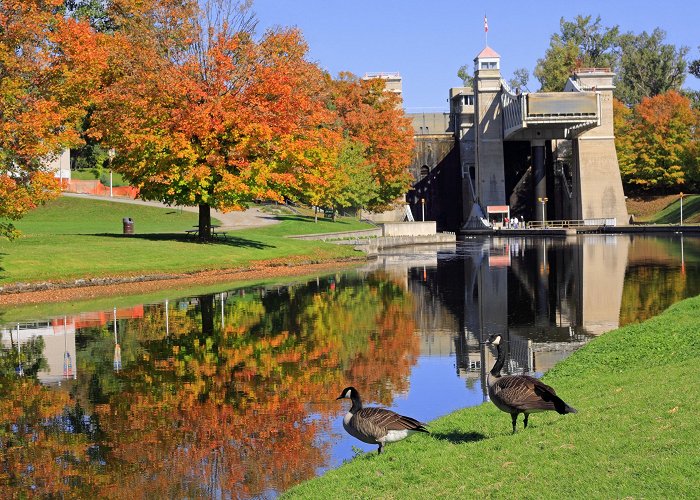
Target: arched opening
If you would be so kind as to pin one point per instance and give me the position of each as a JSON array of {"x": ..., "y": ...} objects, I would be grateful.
[{"x": 424, "y": 171}]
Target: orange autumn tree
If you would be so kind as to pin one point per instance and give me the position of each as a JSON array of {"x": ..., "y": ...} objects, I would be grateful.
[
  {"x": 40, "y": 101},
  {"x": 203, "y": 114},
  {"x": 655, "y": 142},
  {"x": 373, "y": 118}
]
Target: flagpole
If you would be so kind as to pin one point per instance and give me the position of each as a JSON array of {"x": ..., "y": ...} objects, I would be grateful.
[{"x": 486, "y": 30}]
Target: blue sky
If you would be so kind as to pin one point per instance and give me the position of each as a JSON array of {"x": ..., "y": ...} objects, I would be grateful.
[{"x": 427, "y": 41}]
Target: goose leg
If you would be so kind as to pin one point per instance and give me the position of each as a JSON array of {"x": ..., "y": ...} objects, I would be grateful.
[
  {"x": 514, "y": 416},
  {"x": 526, "y": 415},
  {"x": 379, "y": 451}
]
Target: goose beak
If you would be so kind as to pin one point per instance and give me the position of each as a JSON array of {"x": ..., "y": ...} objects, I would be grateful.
[{"x": 340, "y": 397}]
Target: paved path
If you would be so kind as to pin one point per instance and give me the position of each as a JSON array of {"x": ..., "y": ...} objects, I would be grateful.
[{"x": 230, "y": 221}]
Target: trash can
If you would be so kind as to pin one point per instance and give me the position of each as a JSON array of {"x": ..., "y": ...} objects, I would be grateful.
[{"x": 128, "y": 224}]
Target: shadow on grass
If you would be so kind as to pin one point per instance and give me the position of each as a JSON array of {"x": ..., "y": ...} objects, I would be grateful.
[
  {"x": 2, "y": 269},
  {"x": 458, "y": 437},
  {"x": 307, "y": 218},
  {"x": 672, "y": 213},
  {"x": 232, "y": 241}
]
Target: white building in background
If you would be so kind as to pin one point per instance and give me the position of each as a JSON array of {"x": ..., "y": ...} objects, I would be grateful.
[
  {"x": 59, "y": 346},
  {"x": 60, "y": 165}
]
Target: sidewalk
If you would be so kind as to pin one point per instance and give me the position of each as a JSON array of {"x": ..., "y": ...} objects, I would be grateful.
[{"x": 230, "y": 221}]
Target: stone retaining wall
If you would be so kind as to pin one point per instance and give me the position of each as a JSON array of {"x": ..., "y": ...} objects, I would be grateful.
[
  {"x": 376, "y": 245},
  {"x": 362, "y": 233}
]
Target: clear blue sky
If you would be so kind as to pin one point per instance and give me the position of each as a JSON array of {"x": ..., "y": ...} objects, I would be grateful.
[{"x": 427, "y": 41}]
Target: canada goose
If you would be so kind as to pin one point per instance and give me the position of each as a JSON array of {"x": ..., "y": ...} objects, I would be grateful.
[
  {"x": 516, "y": 394},
  {"x": 376, "y": 425}
]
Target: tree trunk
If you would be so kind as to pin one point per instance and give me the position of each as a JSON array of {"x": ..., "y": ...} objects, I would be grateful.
[
  {"x": 206, "y": 303},
  {"x": 204, "y": 222}
]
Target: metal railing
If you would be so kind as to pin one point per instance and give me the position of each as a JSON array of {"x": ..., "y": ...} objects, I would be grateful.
[
  {"x": 513, "y": 106},
  {"x": 536, "y": 224},
  {"x": 593, "y": 70}
]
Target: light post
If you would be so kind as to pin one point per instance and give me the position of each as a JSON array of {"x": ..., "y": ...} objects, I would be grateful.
[
  {"x": 681, "y": 209},
  {"x": 110, "y": 153},
  {"x": 544, "y": 217},
  {"x": 422, "y": 206}
]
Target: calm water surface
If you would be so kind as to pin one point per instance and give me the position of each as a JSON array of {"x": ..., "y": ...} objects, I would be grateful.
[{"x": 232, "y": 394}]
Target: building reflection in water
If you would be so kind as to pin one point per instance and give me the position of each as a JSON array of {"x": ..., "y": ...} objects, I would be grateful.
[
  {"x": 57, "y": 338},
  {"x": 546, "y": 297}
]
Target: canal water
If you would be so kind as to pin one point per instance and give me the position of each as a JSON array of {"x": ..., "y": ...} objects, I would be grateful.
[{"x": 232, "y": 393}]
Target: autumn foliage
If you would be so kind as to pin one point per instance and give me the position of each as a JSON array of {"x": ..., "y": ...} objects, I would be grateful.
[
  {"x": 657, "y": 144},
  {"x": 41, "y": 101},
  {"x": 206, "y": 114},
  {"x": 200, "y": 109}
]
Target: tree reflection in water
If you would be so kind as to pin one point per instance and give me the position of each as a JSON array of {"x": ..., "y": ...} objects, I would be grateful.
[{"x": 230, "y": 402}]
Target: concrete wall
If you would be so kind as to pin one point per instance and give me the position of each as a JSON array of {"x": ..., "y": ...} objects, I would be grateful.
[
  {"x": 364, "y": 233},
  {"x": 430, "y": 123},
  {"x": 376, "y": 245},
  {"x": 429, "y": 152},
  {"x": 408, "y": 228},
  {"x": 599, "y": 193},
  {"x": 396, "y": 214}
]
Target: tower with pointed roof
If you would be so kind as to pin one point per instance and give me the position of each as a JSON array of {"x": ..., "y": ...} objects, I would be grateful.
[{"x": 490, "y": 182}]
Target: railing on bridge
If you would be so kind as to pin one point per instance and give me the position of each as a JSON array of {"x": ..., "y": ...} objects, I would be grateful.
[
  {"x": 536, "y": 224},
  {"x": 513, "y": 106}
]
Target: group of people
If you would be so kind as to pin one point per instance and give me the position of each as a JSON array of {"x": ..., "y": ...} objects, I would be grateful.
[{"x": 513, "y": 223}]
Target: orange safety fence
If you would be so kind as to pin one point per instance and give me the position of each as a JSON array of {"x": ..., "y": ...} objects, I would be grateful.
[{"x": 97, "y": 188}]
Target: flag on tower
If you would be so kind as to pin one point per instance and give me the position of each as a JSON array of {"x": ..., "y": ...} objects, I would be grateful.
[{"x": 486, "y": 25}]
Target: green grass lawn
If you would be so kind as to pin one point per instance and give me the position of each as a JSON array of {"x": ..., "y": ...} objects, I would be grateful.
[
  {"x": 636, "y": 433},
  {"x": 671, "y": 213},
  {"x": 80, "y": 238},
  {"x": 89, "y": 175}
]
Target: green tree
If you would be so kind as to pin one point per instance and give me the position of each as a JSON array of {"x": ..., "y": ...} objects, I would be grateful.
[
  {"x": 649, "y": 67},
  {"x": 464, "y": 75},
  {"x": 93, "y": 11},
  {"x": 557, "y": 65},
  {"x": 693, "y": 95},
  {"x": 358, "y": 190},
  {"x": 519, "y": 80},
  {"x": 581, "y": 43},
  {"x": 694, "y": 67}
]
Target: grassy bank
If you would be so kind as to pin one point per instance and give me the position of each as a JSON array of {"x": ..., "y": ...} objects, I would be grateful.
[
  {"x": 79, "y": 238},
  {"x": 636, "y": 434},
  {"x": 664, "y": 209}
]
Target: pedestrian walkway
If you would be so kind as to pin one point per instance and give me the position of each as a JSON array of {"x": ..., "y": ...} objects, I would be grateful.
[{"x": 230, "y": 221}]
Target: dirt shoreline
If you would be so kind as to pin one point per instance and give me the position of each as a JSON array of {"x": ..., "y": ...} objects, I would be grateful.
[{"x": 91, "y": 288}]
